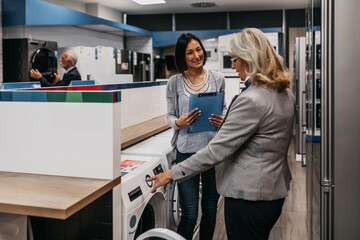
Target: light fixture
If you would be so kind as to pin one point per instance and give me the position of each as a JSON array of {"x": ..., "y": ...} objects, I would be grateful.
[
  {"x": 149, "y": 2},
  {"x": 203, "y": 5}
]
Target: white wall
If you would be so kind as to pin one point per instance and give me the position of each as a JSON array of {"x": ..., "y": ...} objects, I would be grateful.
[
  {"x": 69, "y": 4},
  {"x": 109, "y": 13},
  {"x": 65, "y": 36},
  {"x": 95, "y": 9}
]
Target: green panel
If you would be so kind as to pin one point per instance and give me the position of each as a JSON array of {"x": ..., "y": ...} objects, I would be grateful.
[
  {"x": 56, "y": 96},
  {"x": 104, "y": 97},
  {"x": 74, "y": 97}
]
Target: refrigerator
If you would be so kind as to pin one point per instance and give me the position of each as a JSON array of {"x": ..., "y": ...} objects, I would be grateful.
[
  {"x": 333, "y": 162},
  {"x": 123, "y": 61},
  {"x": 160, "y": 68},
  {"x": 105, "y": 57},
  {"x": 141, "y": 66}
]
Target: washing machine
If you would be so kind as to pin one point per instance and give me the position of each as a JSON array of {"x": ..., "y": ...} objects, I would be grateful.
[
  {"x": 156, "y": 145},
  {"x": 21, "y": 55},
  {"x": 141, "y": 209},
  {"x": 160, "y": 145}
]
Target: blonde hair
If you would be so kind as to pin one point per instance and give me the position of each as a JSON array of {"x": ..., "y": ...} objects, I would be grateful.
[{"x": 265, "y": 65}]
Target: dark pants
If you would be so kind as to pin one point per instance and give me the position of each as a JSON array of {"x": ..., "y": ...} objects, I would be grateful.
[
  {"x": 251, "y": 220},
  {"x": 189, "y": 200}
]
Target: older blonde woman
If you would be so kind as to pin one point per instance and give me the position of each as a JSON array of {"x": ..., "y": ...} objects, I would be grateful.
[{"x": 250, "y": 148}]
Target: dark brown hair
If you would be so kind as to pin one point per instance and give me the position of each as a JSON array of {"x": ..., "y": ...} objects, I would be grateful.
[{"x": 181, "y": 45}]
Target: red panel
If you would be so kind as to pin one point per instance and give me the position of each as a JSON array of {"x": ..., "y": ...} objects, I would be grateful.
[
  {"x": 72, "y": 88},
  {"x": 85, "y": 88}
]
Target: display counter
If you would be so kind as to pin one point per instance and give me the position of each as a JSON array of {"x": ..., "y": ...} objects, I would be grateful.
[{"x": 60, "y": 147}]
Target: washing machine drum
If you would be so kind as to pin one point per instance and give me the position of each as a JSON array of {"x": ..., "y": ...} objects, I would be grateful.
[
  {"x": 44, "y": 60},
  {"x": 147, "y": 221}
]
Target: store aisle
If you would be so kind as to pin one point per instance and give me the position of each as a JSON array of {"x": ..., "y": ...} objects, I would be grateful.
[{"x": 292, "y": 222}]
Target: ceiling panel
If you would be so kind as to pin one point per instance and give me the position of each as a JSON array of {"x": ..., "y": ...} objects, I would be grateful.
[{"x": 184, "y": 6}]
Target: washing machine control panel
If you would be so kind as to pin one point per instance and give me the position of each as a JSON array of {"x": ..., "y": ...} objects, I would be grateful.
[
  {"x": 150, "y": 184},
  {"x": 158, "y": 169},
  {"x": 135, "y": 194}
]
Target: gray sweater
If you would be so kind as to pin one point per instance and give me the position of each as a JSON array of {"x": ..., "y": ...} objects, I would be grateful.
[{"x": 173, "y": 112}]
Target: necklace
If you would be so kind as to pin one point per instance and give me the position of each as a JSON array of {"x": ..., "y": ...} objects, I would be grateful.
[{"x": 190, "y": 88}]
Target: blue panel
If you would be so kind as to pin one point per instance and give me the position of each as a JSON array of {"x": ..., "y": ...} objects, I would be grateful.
[
  {"x": 52, "y": 14},
  {"x": 131, "y": 85},
  {"x": 29, "y": 96},
  {"x": 20, "y": 85},
  {"x": 13, "y": 12},
  {"x": 82, "y": 83},
  {"x": 161, "y": 39},
  {"x": 37, "y": 12},
  {"x": 6, "y": 96}
]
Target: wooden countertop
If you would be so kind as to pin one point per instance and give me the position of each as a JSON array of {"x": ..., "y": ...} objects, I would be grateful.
[
  {"x": 138, "y": 132},
  {"x": 49, "y": 196}
]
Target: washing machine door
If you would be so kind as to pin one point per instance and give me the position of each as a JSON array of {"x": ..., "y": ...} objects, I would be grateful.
[
  {"x": 153, "y": 215},
  {"x": 160, "y": 233},
  {"x": 175, "y": 207},
  {"x": 44, "y": 60}
]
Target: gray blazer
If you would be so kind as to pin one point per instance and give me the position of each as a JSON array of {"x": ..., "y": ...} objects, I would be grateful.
[{"x": 250, "y": 149}]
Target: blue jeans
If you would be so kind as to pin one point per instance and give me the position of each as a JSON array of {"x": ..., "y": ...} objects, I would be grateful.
[{"x": 189, "y": 200}]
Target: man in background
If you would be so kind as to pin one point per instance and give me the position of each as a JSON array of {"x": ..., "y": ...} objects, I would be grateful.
[{"x": 67, "y": 61}]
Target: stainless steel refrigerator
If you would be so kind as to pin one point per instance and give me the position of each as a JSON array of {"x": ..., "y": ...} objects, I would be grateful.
[
  {"x": 141, "y": 66},
  {"x": 123, "y": 61},
  {"x": 333, "y": 163}
]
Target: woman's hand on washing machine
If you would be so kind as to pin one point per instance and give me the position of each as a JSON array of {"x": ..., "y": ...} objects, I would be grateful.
[{"x": 160, "y": 180}]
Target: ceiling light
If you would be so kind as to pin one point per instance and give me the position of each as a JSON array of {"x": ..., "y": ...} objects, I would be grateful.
[
  {"x": 149, "y": 2},
  {"x": 203, "y": 4}
]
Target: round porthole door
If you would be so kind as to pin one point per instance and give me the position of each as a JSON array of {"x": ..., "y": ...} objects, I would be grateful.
[{"x": 45, "y": 61}]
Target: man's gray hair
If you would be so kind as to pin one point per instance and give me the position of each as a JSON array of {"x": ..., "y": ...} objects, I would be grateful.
[{"x": 72, "y": 56}]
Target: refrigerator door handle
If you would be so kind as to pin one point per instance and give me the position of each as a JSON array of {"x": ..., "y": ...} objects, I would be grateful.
[
  {"x": 303, "y": 156},
  {"x": 303, "y": 109},
  {"x": 326, "y": 210}
]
